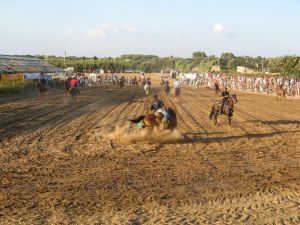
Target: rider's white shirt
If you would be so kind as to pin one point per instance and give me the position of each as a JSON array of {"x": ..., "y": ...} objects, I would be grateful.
[{"x": 177, "y": 84}]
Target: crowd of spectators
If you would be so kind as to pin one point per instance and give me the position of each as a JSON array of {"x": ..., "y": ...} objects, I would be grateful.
[{"x": 258, "y": 84}]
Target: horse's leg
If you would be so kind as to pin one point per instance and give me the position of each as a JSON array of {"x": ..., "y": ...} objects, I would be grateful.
[
  {"x": 39, "y": 91},
  {"x": 215, "y": 116},
  {"x": 211, "y": 113},
  {"x": 229, "y": 119}
]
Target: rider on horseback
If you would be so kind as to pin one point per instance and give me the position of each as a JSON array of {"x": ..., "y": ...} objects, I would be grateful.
[
  {"x": 73, "y": 82},
  {"x": 225, "y": 96},
  {"x": 159, "y": 108},
  {"x": 43, "y": 81},
  {"x": 156, "y": 103}
]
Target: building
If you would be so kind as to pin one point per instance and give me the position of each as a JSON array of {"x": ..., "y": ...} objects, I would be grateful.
[
  {"x": 20, "y": 64},
  {"x": 16, "y": 67},
  {"x": 215, "y": 69},
  {"x": 245, "y": 70}
]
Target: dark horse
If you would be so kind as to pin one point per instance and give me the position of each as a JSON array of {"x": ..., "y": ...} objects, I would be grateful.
[
  {"x": 217, "y": 88},
  {"x": 167, "y": 88},
  {"x": 176, "y": 92},
  {"x": 151, "y": 121},
  {"x": 228, "y": 109},
  {"x": 121, "y": 83},
  {"x": 73, "y": 93},
  {"x": 41, "y": 89}
]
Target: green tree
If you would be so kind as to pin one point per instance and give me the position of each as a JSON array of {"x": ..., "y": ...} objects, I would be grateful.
[{"x": 199, "y": 55}]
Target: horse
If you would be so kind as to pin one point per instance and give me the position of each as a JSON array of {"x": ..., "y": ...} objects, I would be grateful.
[
  {"x": 228, "y": 109},
  {"x": 176, "y": 92},
  {"x": 73, "y": 91},
  {"x": 152, "y": 120},
  {"x": 121, "y": 83},
  {"x": 167, "y": 88},
  {"x": 147, "y": 89},
  {"x": 143, "y": 82},
  {"x": 41, "y": 89},
  {"x": 217, "y": 88},
  {"x": 281, "y": 92}
]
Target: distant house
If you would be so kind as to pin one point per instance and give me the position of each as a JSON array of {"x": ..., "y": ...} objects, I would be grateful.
[
  {"x": 70, "y": 69},
  {"x": 168, "y": 73},
  {"x": 19, "y": 64},
  {"x": 242, "y": 69},
  {"x": 18, "y": 68},
  {"x": 215, "y": 69}
]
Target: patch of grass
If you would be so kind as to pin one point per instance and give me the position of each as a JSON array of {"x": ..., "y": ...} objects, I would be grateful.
[
  {"x": 17, "y": 87},
  {"x": 10, "y": 88}
]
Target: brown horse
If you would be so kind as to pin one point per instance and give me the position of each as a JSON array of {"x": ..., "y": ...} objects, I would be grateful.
[
  {"x": 151, "y": 120},
  {"x": 228, "y": 109},
  {"x": 281, "y": 92}
]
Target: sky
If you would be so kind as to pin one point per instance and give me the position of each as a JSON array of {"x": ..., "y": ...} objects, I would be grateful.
[{"x": 110, "y": 28}]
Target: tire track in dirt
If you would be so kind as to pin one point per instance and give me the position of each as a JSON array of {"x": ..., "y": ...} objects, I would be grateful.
[
  {"x": 202, "y": 111},
  {"x": 106, "y": 115},
  {"x": 182, "y": 123},
  {"x": 85, "y": 123}
]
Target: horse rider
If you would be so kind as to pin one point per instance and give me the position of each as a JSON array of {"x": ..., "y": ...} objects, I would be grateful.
[
  {"x": 158, "y": 107},
  {"x": 73, "y": 82},
  {"x": 177, "y": 86},
  {"x": 217, "y": 87},
  {"x": 148, "y": 81},
  {"x": 43, "y": 81},
  {"x": 225, "y": 96}
]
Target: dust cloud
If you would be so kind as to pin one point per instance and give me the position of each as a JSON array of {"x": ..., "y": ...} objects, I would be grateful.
[{"x": 127, "y": 134}]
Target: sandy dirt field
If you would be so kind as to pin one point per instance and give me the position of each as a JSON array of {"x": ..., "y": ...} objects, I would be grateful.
[{"x": 59, "y": 164}]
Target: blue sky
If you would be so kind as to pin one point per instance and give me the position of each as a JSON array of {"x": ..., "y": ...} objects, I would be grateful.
[{"x": 161, "y": 27}]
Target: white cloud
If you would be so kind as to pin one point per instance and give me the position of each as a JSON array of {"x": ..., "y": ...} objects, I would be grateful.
[
  {"x": 109, "y": 30},
  {"x": 129, "y": 29},
  {"x": 170, "y": 24},
  {"x": 96, "y": 33},
  {"x": 221, "y": 30},
  {"x": 71, "y": 35},
  {"x": 69, "y": 31}
]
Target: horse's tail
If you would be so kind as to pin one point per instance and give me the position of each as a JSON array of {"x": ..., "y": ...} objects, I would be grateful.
[{"x": 212, "y": 112}]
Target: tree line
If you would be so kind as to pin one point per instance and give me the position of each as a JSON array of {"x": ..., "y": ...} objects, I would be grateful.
[{"x": 199, "y": 62}]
